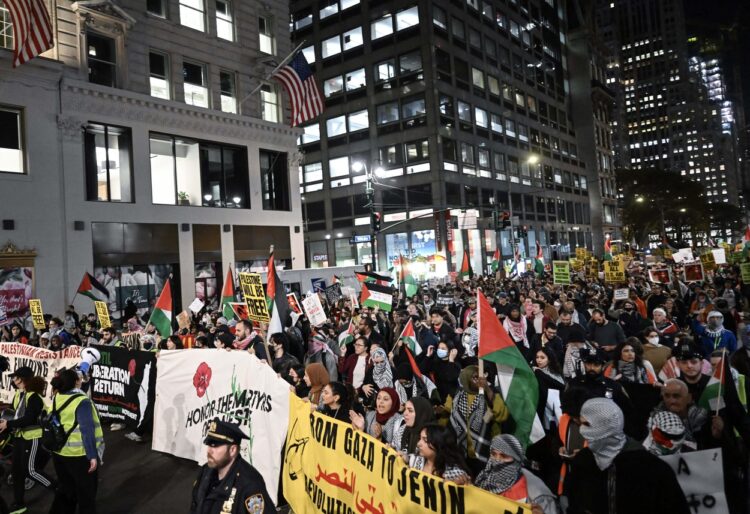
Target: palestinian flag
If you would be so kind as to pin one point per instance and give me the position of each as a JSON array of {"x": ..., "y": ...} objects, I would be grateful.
[
  {"x": 239, "y": 310},
  {"x": 518, "y": 384},
  {"x": 466, "y": 272},
  {"x": 278, "y": 306},
  {"x": 335, "y": 280},
  {"x": 409, "y": 336},
  {"x": 495, "y": 265},
  {"x": 375, "y": 295},
  {"x": 372, "y": 278},
  {"x": 347, "y": 336},
  {"x": 516, "y": 260},
  {"x": 712, "y": 398},
  {"x": 539, "y": 260},
  {"x": 409, "y": 284},
  {"x": 161, "y": 316},
  {"x": 746, "y": 237},
  {"x": 227, "y": 296},
  {"x": 92, "y": 288},
  {"x": 607, "y": 248}
]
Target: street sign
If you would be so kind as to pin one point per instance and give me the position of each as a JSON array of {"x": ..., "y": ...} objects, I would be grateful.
[{"x": 359, "y": 239}]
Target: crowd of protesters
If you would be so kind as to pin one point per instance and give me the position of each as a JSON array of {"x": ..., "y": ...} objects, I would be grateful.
[{"x": 619, "y": 381}]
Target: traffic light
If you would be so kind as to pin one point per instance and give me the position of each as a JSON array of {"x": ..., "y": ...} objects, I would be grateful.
[
  {"x": 505, "y": 218},
  {"x": 375, "y": 222},
  {"x": 522, "y": 231}
]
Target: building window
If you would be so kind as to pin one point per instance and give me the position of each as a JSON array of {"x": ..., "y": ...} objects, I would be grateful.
[
  {"x": 358, "y": 121},
  {"x": 228, "y": 85},
  {"x": 6, "y": 29},
  {"x": 224, "y": 20},
  {"x": 352, "y": 38},
  {"x": 331, "y": 47},
  {"x": 310, "y": 134},
  {"x": 159, "y": 75},
  {"x": 274, "y": 174},
  {"x": 309, "y": 53},
  {"x": 329, "y": 8},
  {"x": 410, "y": 62},
  {"x": 467, "y": 153},
  {"x": 333, "y": 85},
  {"x": 269, "y": 103},
  {"x": 387, "y": 113},
  {"x": 413, "y": 107},
  {"x": 102, "y": 60},
  {"x": 382, "y": 27},
  {"x": 385, "y": 70},
  {"x": 156, "y": 7},
  {"x": 407, "y": 18},
  {"x": 267, "y": 38},
  {"x": 189, "y": 172},
  {"x": 355, "y": 80},
  {"x": 417, "y": 151},
  {"x": 108, "y": 169},
  {"x": 338, "y": 167},
  {"x": 336, "y": 126},
  {"x": 11, "y": 141},
  {"x": 196, "y": 91},
  {"x": 193, "y": 14}
]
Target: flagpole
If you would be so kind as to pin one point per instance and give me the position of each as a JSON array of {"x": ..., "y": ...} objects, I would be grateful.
[
  {"x": 721, "y": 382},
  {"x": 480, "y": 362},
  {"x": 277, "y": 68}
]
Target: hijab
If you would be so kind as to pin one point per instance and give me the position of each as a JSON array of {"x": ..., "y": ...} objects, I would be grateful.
[
  {"x": 423, "y": 414},
  {"x": 318, "y": 379},
  {"x": 497, "y": 477},
  {"x": 605, "y": 430},
  {"x": 319, "y": 343},
  {"x": 382, "y": 374},
  {"x": 395, "y": 406}
]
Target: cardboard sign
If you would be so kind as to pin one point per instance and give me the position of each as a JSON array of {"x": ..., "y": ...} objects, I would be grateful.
[
  {"x": 255, "y": 297},
  {"x": 745, "y": 271},
  {"x": 593, "y": 269},
  {"x": 701, "y": 478},
  {"x": 196, "y": 306},
  {"x": 37, "y": 314},
  {"x": 708, "y": 261},
  {"x": 103, "y": 314},
  {"x": 614, "y": 271},
  {"x": 660, "y": 275},
  {"x": 683, "y": 255},
  {"x": 291, "y": 299},
  {"x": 314, "y": 310},
  {"x": 622, "y": 294},
  {"x": 561, "y": 272},
  {"x": 333, "y": 293},
  {"x": 183, "y": 320},
  {"x": 720, "y": 256},
  {"x": 693, "y": 272}
]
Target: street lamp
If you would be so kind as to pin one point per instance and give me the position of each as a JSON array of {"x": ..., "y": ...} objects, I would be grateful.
[{"x": 358, "y": 166}]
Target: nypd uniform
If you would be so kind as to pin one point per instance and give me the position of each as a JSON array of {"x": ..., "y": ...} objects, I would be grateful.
[{"x": 241, "y": 491}]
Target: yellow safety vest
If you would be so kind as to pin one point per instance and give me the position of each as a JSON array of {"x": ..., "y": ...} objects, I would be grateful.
[
  {"x": 30, "y": 432},
  {"x": 74, "y": 445}
]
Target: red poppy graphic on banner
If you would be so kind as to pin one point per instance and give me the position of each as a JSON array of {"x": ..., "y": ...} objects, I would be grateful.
[
  {"x": 131, "y": 368},
  {"x": 201, "y": 379}
]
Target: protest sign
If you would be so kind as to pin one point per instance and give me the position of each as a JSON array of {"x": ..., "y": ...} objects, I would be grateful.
[
  {"x": 196, "y": 306},
  {"x": 707, "y": 259},
  {"x": 561, "y": 272},
  {"x": 314, "y": 310},
  {"x": 291, "y": 299},
  {"x": 660, "y": 275},
  {"x": 240, "y": 310},
  {"x": 745, "y": 272},
  {"x": 183, "y": 320},
  {"x": 37, "y": 314},
  {"x": 444, "y": 300},
  {"x": 720, "y": 256},
  {"x": 693, "y": 272},
  {"x": 3, "y": 316},
  {"x": 123, "y": 384},
  {"x": 614, "y": 271},
  {"x": 102, "y": 312},
  {"x": 581, "y": 253},
  {"x": 331, "y": 467},
  {"x": 255, "y": 297},
  {"x": 683, "y": 255},
  {"x": 593, "y": 269},
  {"x": 621, "y": 294},
  {"x": 318, "y": 284},
  {"x": 194, "y": 387},
  {"x": 44, "y": 363},
  {"x": 333, "y": 293},
  {"x": 701, "y": 478}
]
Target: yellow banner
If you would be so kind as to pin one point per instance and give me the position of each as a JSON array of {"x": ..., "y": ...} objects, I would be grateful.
[
  {"x": 593, "y": 269},
  {"x": 581, "y": 253},
  {"x": 330, "y": 467},
  {"x": 614, "y": 271},
  {"x": 255, "y": 297},
  {"x": 708, "y": 261},
  {"x": 103, "y": 314},
  {"x": 37, "y": 314}
]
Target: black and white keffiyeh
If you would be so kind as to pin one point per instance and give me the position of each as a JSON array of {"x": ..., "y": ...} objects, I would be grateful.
[
  {"x": 497, "y": 477},
  {"x": 382, "y": 374},
  {"x": 604, "y": 430}
]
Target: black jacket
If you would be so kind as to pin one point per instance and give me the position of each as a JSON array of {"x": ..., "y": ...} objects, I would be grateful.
[{"x": 242, "y": 484}]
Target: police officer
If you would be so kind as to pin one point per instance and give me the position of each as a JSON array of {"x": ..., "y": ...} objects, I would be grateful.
[
  {"x": 227, "y": 484},
  {"x": 28, "y": 456}
]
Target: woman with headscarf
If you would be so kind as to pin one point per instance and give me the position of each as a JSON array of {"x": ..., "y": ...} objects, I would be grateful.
[
  {"x": 605, "y": 475},
  {"x": 515, "y": 325},
  {"x": 319, "y": 350},
  {"x": 713, "y": 336},
  {"x": 417, "y": 413},
  {"x": 384, "y": 420},
  {"x": 409, "y": 386},
  {"x": 442, "y": 364},
  {"x": 316, "y": 377},
  {"x": 439, "y": 455},
  {"x": 505, "y": 475},
  {"x": 378, "y": 376},
  {"x": 476, "y": 413}
]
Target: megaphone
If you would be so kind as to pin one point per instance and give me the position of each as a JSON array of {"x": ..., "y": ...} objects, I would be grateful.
[{"x": 89, "y": 357}]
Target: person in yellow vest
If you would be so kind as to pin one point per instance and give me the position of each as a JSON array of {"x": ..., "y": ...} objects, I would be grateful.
[
  {"x": 78, "y": 460},
  {"x": 504, "y": 475},
  {"x": 29, "y": 458}
]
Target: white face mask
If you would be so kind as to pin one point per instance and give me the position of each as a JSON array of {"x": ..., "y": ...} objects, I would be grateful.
[
  {"x": 557, "y": 305},
  {"x": 653, "y": 340}
]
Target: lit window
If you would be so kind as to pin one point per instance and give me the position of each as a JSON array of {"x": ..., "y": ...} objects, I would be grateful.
[
  {"x": 352, "y": 38},
  {"x": 338, "y": 167},
  {"x": 159, "y": 75},
  {"x": 11, "y": 141},
  {"x": 224, "y": 20},
  {"x": 269, "y": 103},
  {"x": 266, "y": 35},
  {"x": 464, "y": 111},
  {"x": 407, "y": 18},
  {"x": 355, "y": 80},
  {"x": 331, "y": 47},
  {"x": 329, "y": 10},
  {"x": 385, "y": 70},
  {"x": 413, "y": 107},
  {"x": 387, "y": 113},
  {"x": 309, "y": 53},
  {"x": 108, "y": 163},
  {"x": 336, "y": 126},
  {"x": 313, "y": 172},
  {"x": 382, "y": 27},
  {"x": 196, "y": 92},
  {"x": 102, "y": 60},
  {"x": 333, "y": 85},
  {"x": 311, "y": 134},
  {"x": 228, "y": 92},
  {"x": 192, "y": 14},
  {"x": 477, "y": 77},
  {"x": 480, "y": 117},
  {"x": 358, "y": 121}
]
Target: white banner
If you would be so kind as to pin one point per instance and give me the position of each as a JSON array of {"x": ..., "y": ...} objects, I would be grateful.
[
  {"x": 45, "y": 364},
  {"x": 314, "y": 310},
  {"x": 195, "y": 386},
  {"x": 702, "y": 480},
  {"x": 720, "y": 256}
]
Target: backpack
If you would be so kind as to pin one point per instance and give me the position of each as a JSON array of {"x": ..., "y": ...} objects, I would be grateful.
[{"x": 54, "y": 435}]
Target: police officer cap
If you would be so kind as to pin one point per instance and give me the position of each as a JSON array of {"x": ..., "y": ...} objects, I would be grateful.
[
  {"x": 685, "y": 352},
  {"x": 591, "y": 355},
  {"x": 24, "y": 372},
  {"x": 222, "y": 432}
]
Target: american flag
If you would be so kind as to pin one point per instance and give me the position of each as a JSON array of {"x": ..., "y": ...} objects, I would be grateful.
[
  {"x": 32, "y": 29},
  {"x": 298, "y": 80}
]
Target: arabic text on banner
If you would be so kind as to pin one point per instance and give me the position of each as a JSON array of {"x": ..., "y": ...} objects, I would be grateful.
[
  {"x": 43, "y": 362},
  {"x": 195, "y": 386},
  {"x": 331, "y": 467}
]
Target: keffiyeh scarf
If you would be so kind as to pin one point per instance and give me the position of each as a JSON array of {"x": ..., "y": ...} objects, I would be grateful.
[
  {"x": 498, "y": 477},
  {"x": 605, "y": 430},
  {"x": 471, "y": 420},
  {"x": 382, "y": 374}
]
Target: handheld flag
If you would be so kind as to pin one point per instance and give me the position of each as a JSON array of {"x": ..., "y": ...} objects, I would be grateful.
[
  {"x": 409, "y": 336},
  {"x": 466, "y": 272},
  {"x": 32, "y": 29},
  {"x": 161, "y": 316},
  {"x": 607, "y": 248},
  {"x": 518, "y": 383},
  {"x": 304, "y": 94},
  {"x": 347, "y": 336},
  {"x": 278, "y": 305},
  {"x": 92, "y": 288},
  {"x": 409, "y": 284},
  {"x": 712, "y": 398},
  {"x": 227, "y": 296},
  {"x": 539, "y": 260},
  {"x": 495, "y": 265},
  {"x": 370, "y": 278},
  {"x": 374, "y": 295}
]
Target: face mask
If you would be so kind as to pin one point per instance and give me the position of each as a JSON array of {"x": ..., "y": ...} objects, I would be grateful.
[
  {"x": 629, "y": 308},
  {"x": 557, "y": 305},
  {"x": 713, "y": 324},
  {"x": 441, "y": 353},
  {"x": 653, "y": 340}
]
